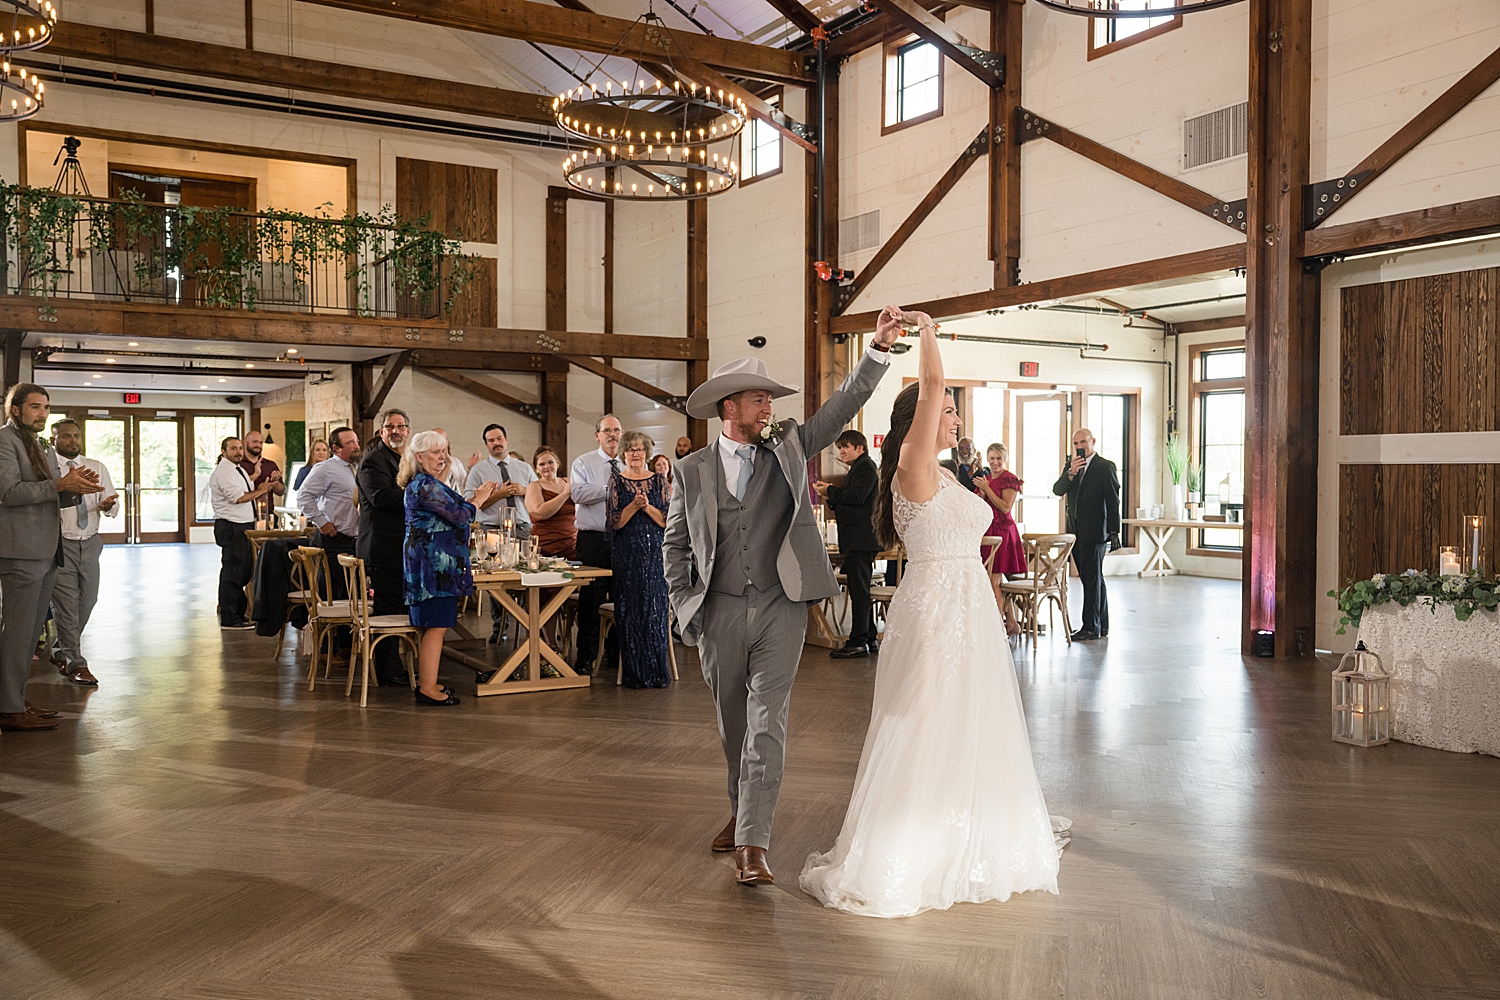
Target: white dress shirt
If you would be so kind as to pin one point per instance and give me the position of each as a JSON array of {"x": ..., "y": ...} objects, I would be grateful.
[
  {"x": 226, "y": 485},
  {"x": 70, "y": 526},
  {"x": 591, "y": 474},
  {"x": 327, "y": 496},
  {"x": 488, "y": 471}
]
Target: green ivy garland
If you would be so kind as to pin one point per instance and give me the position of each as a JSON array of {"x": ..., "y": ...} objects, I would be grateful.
[{"x": 1467, "y": 594}]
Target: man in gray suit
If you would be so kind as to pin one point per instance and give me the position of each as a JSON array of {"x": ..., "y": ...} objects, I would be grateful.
[
  {"x": 31, "y": 499},
  {"x": 743, "y": 559}
]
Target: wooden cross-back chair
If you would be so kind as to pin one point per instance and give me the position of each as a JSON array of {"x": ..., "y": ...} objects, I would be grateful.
[
  {"x": 300, "y": 593},
  {"x": 1047, "y": 559},
  {"x": 371, "y": 630},
  {"x": 324, "y": 614}
]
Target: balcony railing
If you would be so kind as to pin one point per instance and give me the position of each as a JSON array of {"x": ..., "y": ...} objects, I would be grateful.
[{"x": 127, "y": 250}]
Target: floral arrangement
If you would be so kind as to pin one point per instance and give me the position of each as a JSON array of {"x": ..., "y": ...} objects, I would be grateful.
[{"x": 1467, "y": 594}]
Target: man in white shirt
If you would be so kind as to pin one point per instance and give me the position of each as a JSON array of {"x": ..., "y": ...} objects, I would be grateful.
[
  {"x": 509, "y": 502},
  {"x": 328, "y": 502},
  {"x": 233, "y": 498},
  {"x": 591, "y": 475},
  {"x": 76, "y": 588}
]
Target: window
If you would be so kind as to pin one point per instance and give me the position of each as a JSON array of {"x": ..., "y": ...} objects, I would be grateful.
[
  {"x": 1109, "y": 419},
  {"x": 1106, "y": 34},
  {"x": 762, "y": 145},
  {"x": 208, "y": 432},
  {"x": 1219, "y": 431},
  {"x": 913, "y": 84}
]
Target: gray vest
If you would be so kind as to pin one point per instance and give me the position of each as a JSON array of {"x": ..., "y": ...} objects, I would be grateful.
[{"x": 751, "y": 530}]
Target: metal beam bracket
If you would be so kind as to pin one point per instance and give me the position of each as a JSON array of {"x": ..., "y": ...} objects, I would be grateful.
[
  {"x": 536, "y": 411},
  {"x": 1320, "y": 199},
  {"x": 1231, "y": 213},
  {"x": 1030, "y": 126},
  {"x": 992, "y": 61}
]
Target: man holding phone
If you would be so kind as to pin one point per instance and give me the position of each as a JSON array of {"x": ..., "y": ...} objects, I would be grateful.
[{"x": 1091, "y": 484}]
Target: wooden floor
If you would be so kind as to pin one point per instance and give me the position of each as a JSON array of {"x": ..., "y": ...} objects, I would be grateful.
[{"x": 202, "y": 827}]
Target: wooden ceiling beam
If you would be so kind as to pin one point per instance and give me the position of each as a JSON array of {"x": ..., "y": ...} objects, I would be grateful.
[
  {"x": 988, "y": 67},
  {"x": 758, "y": 108},
  {"x": 628, "y": 381},
  {"x": 487, "y": 392},
  {"x": 224, "y": 62},
  {"x": 491, "y": 362},
  {"x": 797, "y": 14},
  {"x": 394, "y": 365},
  {"x": 589, "y": 32},
  {"x": 1392, "y": 232},
  {"x": 1205, "y": 325},
  {"x": 1070, "y": 286}
]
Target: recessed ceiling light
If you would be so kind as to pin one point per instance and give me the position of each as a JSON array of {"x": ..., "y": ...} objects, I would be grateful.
[
  {"x": 98, "y": 376},
  {"x": 109, "y": 361},
  {"x": 249, "y": 366},
  {"x": 291, "y": 350},
  {"x": 133, "y": 344},
  {"x": 223, "y": 380},
  {"x": 203, "y": 387}
]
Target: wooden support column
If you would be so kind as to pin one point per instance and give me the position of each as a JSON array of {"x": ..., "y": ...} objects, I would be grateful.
[
  {"x": 1281, "y": 336},
  {"x": 361, "y": 391},
  {"x": 825, "y": 362},
  {"x": 555, "y": 423},
  {"x": 249, "y": 24},
  {"x": 10, "y": 344},
  {"x": 609, "y": 284},
  {"x": 555, "y": 385},
  {"x": 150, "y": 17},
  {"x": 697, "y": 305},
  {"x": 1005, "y": 148}
]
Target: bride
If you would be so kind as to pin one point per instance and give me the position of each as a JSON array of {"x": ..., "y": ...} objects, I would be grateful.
[{"x": 946, "y": 806}]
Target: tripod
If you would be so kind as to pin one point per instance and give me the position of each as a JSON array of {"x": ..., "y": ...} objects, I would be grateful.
[{"x": 70, "y": 179}]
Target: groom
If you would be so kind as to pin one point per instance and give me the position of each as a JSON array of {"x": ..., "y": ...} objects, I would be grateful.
[{"x": 743, "y": 559}]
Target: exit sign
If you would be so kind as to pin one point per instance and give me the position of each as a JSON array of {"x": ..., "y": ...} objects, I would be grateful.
[
  {"x": 132, "y": 397},
  {"x": 1029, "y": 369}
]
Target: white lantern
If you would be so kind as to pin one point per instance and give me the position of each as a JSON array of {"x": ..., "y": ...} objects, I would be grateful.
[{"x": 1361, "y": 699}]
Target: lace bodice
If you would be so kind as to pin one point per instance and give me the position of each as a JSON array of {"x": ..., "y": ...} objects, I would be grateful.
[{"x": 949, "y": 526}]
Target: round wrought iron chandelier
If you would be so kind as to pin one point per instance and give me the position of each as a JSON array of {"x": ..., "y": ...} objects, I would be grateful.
[
  {"x": 1113, "y": 9},
  {"x": 31, "y": 27},
  {"x": 645, "y": 138}
]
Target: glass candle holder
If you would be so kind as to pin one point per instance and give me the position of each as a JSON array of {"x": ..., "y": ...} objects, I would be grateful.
[
  {"x": 1449, "y": 564},
  {"x": 1474, "y": 543}
]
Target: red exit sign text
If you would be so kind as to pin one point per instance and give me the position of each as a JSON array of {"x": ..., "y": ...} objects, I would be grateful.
[{"x": 132, "y": 397}]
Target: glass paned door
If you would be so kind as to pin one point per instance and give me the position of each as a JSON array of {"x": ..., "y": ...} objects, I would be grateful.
[
  {"x": 104, "y": 441},
  {"x": 158, "y": 480},
  {"x": 1043, "y": 438},
  {"x": 209, "y": 432}
]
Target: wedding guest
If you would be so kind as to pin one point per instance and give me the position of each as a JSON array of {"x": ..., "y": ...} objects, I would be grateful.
[
  {"x": 327, "y": 501},
  {"x": 318, "y": 452},
  {"x": 1092, "y": 485},
  {"x": 262, "y": 471},
  {"x": 76, "y": 589},
  {"x": 637, "y": 520},
  {"x": 590, "y": 479},
  {"x": 853, "y": 506},
  {"x": 457, "y": 476},
  {"x": 662, "y": 466},
  {"x": 549, "y": 503},
  {"x": 234, "y": 498},
  {"x": 382, "y": 526},
  {"x": 32, "y": 499},
  {"x": 684, "y": 447},
  {"x": 1000, "y": 489},
  {"x": 966, "y": 463},
  {"x": 511, "y": 475},
  {"x": 434, "y": 553}
]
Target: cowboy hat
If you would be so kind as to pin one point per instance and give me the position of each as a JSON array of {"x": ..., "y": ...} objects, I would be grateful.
[{"x": 737, "y": 376}]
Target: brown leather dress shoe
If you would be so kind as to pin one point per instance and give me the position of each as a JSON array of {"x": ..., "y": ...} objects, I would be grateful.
[
  {"x": 750, "y": 866},
  {"x": 22, "y": 722},
  {"x": 724, "y": 842},
  {"x": 40, "y": 712}
]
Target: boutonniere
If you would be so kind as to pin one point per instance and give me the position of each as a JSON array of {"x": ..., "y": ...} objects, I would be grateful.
[{"x": 770, "y": 435}]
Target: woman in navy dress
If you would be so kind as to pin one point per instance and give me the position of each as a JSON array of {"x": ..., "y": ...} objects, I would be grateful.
[
  {"x": 635, "y": 521},
  {"x": 435, "y": 556}
]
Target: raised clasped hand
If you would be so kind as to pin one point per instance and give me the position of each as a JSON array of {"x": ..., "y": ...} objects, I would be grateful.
[
  {"x": 888, "y": 326},
  {"x": 80, "y": 480}
]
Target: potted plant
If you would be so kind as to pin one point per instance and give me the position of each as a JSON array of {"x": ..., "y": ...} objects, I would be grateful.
[
  {"x": 1194, "y": 491},
  {"x": 1177, "y": 462}
]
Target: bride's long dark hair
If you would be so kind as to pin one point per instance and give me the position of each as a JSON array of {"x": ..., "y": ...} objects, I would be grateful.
[{"x": 902, "y": 413}]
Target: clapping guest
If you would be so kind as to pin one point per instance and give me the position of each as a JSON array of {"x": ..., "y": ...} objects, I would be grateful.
[
  {"x": 506, "y": 502},
  {"x": 382, "y": 525},
  {"x": 662, "y": 466},
  {"x": 457, "y": 475},
  {"x": 77, "y": 587},
  {"x": 1000, "y": 489},
  {"x": 549, "y": 502},
  {"x": 318, "y": 452},
  {"x": 592, "y": 473},
  {"x": 636, "y": 519},
  {"x": 435, "y": 553}
]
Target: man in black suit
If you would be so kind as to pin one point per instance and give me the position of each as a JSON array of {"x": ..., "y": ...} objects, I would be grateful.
[
  {"x": 853, "y": 507},
  {"x": 382, "y": 532},
  {"x": 1092, "y": 485}
]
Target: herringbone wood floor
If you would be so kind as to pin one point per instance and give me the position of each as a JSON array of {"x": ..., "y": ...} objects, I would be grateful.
[{"x": 202, "y": 827}]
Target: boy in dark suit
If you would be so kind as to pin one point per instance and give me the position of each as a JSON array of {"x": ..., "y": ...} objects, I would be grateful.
[
  {"x": 1092, "y": 485},
  {"x": 853, "y": 506}
]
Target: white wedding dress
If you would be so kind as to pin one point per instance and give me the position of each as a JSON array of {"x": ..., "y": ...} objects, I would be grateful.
[{"x": 946, "y": 806}]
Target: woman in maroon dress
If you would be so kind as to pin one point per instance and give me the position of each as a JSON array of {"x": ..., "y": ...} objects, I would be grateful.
[{"x": 1000, "y": 489}]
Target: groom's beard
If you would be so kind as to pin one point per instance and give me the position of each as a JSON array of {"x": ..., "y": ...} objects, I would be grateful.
[{"x": 748, "y": 431}]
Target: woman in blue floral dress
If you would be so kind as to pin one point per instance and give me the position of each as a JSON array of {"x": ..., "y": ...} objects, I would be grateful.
[
  {"x": 435, "y": 556},
  {"x": 635, "y": 521}
]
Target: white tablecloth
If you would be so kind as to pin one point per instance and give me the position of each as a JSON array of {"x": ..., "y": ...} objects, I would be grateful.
[{"x": 1445, "y": 685}]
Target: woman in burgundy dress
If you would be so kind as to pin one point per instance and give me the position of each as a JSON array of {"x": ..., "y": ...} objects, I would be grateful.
[
  {"x": 1000, "y": 489},
  {"x": 549, "y": 501}
]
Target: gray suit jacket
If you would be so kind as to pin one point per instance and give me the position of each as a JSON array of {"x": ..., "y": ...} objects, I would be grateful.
[
  {"x": 30, "y": 520},
  {"x": 693, "y": 515}
]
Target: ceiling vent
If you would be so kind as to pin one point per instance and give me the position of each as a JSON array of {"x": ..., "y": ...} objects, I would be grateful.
[
  {"x": 862, "y": 232},
  {"x": 1216, "y": 136}
]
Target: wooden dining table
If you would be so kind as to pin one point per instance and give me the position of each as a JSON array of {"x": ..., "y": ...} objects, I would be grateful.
[
  {"x": 535, "y": 650},
  {"x": 256, "y": 537},
  {"x": 1158, "y": 530}
]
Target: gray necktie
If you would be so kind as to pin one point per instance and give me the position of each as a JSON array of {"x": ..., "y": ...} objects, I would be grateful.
[
  {"x": 83, "y": 504},
  {"x": 747, "y": 469},
  {"x": 505, "y": 478}
]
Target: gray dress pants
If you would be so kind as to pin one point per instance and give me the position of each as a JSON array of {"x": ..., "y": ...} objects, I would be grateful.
[
  {"x": 750, "y": 648},
  {"x": 26, "y": 589},
  {"x": 73, "y": 597}
]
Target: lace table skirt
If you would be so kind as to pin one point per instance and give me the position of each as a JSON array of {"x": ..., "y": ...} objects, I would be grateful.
[{"x": 1445, "y": 684}]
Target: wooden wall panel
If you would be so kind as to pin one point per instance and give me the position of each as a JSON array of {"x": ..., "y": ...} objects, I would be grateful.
[
  {"x": 478, "y": 304},
  {"x": 1420, "y": 355},
  {"x": 1394, "y": 517},
  {"x": 460, "y": 200}
]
